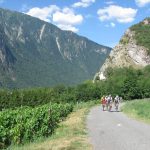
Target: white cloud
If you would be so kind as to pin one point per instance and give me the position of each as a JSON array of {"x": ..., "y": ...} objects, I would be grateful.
[
  {"x": 43, "y": 13},
  {"x": 112, "y": 24},
  {"x": 118, "y": 13},
  {"x": 64, "y": 18},
  {"x": 68, "y": 27},
  {"x": 83, "y": 3},
  {"x": 142, "y": 3},
  {"x": 109, "y": 2},
  {"x": 67, "y": 16}
]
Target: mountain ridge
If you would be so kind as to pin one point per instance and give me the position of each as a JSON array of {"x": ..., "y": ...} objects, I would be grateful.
[{"x": 35, "y": 53}]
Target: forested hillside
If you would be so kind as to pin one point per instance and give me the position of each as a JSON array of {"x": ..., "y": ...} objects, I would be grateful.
[{"x": 34, "y": 53}]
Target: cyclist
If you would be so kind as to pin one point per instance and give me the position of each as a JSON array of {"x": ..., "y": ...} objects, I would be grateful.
[
  {"x": 106, "y": 99},
  {"x": 110, "y": 102},
  {"x": 116, "y": 102},
  {"x": 103, "y": 102}
]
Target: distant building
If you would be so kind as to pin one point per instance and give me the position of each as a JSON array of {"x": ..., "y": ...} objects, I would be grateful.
[{"x": 101, "y": 76}]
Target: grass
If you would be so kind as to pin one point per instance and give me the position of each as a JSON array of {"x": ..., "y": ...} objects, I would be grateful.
[
  {"x": 138, "y": 109},
  {"x": 71, "y": 134}
]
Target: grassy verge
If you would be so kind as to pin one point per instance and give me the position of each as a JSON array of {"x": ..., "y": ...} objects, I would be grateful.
[
  {"x": 71, "y": 134},
  {"x": 138, "y": 109}
]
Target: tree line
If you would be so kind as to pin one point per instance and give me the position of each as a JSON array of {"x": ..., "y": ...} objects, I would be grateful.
[{"x": 128, "y": 83}]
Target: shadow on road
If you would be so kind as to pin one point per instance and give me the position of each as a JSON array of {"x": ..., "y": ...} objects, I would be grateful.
[{"x": 112, "y": 111}]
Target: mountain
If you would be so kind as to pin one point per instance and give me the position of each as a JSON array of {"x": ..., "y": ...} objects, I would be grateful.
[
  {"x": 34, "y": 53},
  {"x": 132, "y": 50}
]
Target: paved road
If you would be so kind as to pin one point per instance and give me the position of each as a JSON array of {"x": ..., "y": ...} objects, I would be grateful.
[{"x": 115, "y": 131}]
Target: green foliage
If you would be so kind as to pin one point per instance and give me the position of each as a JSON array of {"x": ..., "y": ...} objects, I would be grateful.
[
  {"x": 129, "y": 83},
  {"x": 130, "y": 89},
  {"x": 39, "y": 96},
  {"x": 144, "y": 83},
  {"x": 26, "y": 123},
  {"x": 126, "y": 82},
  {"x": 142, "y": 34},
  {"x": 87, "y": 91}
]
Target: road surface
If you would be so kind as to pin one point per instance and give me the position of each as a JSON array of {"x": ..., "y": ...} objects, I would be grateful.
[{"x": 115, "y": 131}]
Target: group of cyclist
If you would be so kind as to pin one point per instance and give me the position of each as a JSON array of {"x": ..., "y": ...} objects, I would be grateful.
[{"x": 107, "y": 102}]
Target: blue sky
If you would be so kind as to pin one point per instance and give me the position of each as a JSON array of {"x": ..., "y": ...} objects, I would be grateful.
[{"x": 103, "y": 21}]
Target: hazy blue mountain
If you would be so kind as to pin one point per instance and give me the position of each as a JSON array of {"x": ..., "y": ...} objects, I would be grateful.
[{"x": 36, "y": 53}]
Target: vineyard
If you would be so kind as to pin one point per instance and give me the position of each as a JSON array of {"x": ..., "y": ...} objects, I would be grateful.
[
  {"x": 29, "y": 114},
  {"x": 26, "y": 123}
]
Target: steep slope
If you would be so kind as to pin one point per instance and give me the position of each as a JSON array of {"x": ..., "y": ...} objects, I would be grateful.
[
  {"x": 132, "y": 50},
  {"x": 36, "y": 53}
]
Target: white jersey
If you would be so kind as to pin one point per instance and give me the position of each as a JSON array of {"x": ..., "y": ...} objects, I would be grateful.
[
  {"x": 109, "y": 99},
  {"x": 116, "y": 100}
]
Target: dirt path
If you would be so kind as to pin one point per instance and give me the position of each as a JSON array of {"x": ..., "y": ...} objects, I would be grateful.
[{"x": 115, "y": 131}]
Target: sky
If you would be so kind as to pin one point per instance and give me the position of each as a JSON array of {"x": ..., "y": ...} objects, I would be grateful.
[{"x": 102, "y": 21}]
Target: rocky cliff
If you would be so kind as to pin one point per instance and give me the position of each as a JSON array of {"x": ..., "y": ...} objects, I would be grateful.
[{"x": 132, "y": 50}]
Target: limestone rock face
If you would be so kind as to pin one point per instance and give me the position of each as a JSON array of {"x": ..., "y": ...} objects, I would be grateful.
[{"x": 127, "y": 53}]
